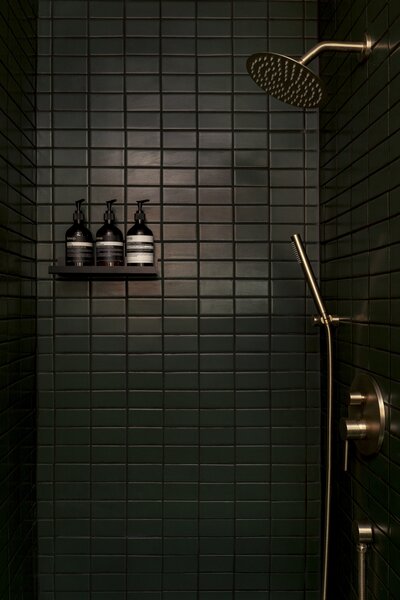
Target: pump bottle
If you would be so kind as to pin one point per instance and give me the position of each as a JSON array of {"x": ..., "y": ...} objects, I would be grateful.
[
  {"x": 78, "y": 241},
  {"x": 109, "y": 241},
  {"x": 140, "y": 240}
]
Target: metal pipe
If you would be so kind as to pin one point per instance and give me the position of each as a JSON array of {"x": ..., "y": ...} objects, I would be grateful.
[
  {"x": 328, "y": 459},
  {"x": 361, "y": 552},
  {"x": 363, "y": 534},
  {"x": 326, "y": 321},
  {"x": 337, "y": 46}
]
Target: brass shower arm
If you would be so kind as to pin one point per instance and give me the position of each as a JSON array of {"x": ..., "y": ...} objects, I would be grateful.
[{"x": 364, "y": 48}]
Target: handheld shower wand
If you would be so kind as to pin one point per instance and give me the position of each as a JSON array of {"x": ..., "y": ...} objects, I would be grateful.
[
  {"x": 302, "y": 259},
  {"x": 326, "y": 320}
]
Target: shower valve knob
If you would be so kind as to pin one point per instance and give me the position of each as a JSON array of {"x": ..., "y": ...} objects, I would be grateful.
[
  {"x": 353, "y": 430},
  {"x": 365, "y": 424},
  {"x": 356, "y": 399}
]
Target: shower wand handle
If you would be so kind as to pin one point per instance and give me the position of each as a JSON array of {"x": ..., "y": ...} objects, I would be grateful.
[
  {"x": 346, "y": 456},
  {"x": 351, "y": 429}
]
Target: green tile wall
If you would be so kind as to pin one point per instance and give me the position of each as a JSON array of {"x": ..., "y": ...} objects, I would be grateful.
[
  {"x": 360, "y": 234},
  {"x": 178, "y": 418},
  {"x": 18, "y": 299}
]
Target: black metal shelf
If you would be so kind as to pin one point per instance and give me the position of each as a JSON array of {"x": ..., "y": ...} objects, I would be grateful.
[{"x": 94, "y": 272}]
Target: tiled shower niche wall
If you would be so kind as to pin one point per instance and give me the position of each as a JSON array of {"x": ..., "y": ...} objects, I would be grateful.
[
  {"x": 18, "y": 298},
  {"x": 360, "y": 231},
  {"x": 178, "y": 418}
]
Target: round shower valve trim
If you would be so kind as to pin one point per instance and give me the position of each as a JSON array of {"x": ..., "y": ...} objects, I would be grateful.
[{"x": 365, "y": 424}]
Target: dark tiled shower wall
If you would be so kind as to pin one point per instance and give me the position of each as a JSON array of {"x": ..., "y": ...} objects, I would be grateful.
[
  {"x": 178, "y": 418},
  {"x": 360, "y": 160},
  {"x": 18, "y": 298}
]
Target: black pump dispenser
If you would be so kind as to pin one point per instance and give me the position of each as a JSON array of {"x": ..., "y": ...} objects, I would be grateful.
[
  {"x": 140, "y": 240},
  {"x": 78, "y": 240},
  {"x": 139, "y": 214},
  {"x": 109, "y": 215},
  {"x": 78, "y": 214},
  {"x": 109, "y": 241}
]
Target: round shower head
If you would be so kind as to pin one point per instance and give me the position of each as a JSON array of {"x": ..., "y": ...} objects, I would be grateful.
[{"x": 286, "y": 79}]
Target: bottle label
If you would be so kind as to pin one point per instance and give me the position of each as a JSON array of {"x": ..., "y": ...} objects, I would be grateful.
[
  {"x": 79, "y": 244},
  {"x": 109, "y": 253},
  {"x": 79, "y": 253},
  {"x": 112, "y": 244},
  {"x": 139, "y": 249}
]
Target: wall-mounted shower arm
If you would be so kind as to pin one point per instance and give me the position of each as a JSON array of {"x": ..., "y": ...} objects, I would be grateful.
[{"x": 364, "y": 48}]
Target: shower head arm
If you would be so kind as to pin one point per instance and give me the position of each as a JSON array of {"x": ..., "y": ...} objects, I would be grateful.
[{"x": 364, "y": 48}]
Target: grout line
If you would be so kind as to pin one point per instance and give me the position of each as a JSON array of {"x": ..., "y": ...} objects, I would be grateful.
[
  {"x": 90, "y": 298},
  {"x": 163, "y": 329},
  {"x": 126, "y": 289},
  {"x": 198, "y": 289},
  {"x": 53, "y": 289},
  {"x": 234, "y": 293},
  {"x": 269, "y": 347}
]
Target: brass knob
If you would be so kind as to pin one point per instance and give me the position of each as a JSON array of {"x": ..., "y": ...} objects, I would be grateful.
[
  {"x": 352, "y": 430},
  {"x": 356, "y": 399}
]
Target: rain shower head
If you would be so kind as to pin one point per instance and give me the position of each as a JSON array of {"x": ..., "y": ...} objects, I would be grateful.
[
  {"x": 286, "y": 79},
  {"x": 290, "y": 80}
]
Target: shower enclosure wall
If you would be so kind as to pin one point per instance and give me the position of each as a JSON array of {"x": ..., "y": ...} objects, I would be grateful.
[
  {"x": 360, "y": 231},
  {"x": 18, "y": 298},
  {"x": 179, "y": 419}
]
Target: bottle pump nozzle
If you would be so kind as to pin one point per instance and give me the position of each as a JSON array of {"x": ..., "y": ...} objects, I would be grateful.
[
  {"x": 109, "y": 214},
  {"x": 139, "y": 215},
  {"x": 78, "y": 214}
]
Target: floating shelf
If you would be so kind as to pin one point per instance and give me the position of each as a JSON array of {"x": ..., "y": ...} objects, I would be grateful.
[{"x": 95, "y": 272}]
